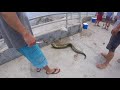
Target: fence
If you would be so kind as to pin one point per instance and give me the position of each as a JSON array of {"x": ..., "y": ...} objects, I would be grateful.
[{"x": 68, "y": 16}]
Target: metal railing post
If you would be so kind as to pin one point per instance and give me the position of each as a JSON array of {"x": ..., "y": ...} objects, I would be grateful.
[
  {"x": 66, "y": 20},
  {"x": 86, "y": 14},
  {"x": 79, "y": 17},
  {"x": 71, "y": 16}
]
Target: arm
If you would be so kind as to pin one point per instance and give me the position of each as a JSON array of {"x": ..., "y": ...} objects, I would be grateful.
[
  {"x": 116, "y": 30},
  {"x": 118, "y": 27},
  {"x": 13, "y": 21}
]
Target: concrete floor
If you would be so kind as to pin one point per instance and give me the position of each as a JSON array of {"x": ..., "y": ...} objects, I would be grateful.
[{"x": 90, "y": 41}]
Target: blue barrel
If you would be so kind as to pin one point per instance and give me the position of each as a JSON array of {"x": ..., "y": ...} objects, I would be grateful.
[
  {"x": 94, "y": 20},
  {"x": 85, "y": 26}
]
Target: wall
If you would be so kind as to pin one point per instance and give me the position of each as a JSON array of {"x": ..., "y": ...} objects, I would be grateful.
[{"x": 11, "y": 54}]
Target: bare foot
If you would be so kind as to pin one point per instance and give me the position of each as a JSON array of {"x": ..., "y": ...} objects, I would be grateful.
[
  {"x": 104, "y": 55},
  {"x": 118, "y": 60},
  {"x": 101, "y": 66},
  {"x": 53, "y": 71}
]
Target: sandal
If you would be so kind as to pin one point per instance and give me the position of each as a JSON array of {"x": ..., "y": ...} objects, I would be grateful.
[
  {"x": 54, "y": 72},
  {"x": 118, "y": 60},
  {"x": 106, "y": 29},
  {"x": 98, "y": 25},
  {"x": 38, "y": 69}
]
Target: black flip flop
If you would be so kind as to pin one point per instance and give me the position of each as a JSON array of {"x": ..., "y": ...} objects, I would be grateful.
[
  {"x": 38, "y": 69},
  {"x": 118, "y": 60},
  {"x": 54, "y": 72},
  {"x": 98, "y": 25}
]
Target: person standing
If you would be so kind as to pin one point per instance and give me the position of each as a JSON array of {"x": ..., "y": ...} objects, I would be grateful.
[
  {"x": 114, "y": 42},
  {"x": 99, "y": 18},
  {"x": 17, "y": 33},
  {"x": 108, "y": 19}
]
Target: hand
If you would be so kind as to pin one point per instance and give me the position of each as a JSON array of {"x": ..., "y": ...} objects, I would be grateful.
[
  {"x": 114, "y": 31},
  {"x": 29, "y": 39}
]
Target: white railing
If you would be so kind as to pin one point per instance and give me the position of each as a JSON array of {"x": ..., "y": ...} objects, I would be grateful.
[
  {"x": 80, "y": 15},
  {"x": 71, "y": 14}
]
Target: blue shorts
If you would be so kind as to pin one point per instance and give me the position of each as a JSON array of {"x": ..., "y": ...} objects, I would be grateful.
[
  {"x": 34, "y": 55},
  {"x": 108, "y": 18}
]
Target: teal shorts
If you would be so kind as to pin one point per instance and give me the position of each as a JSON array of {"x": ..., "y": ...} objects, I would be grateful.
[{"x": 34, "y": 55}]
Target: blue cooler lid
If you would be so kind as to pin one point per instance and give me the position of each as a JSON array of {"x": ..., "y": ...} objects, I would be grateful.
[
  {"x": 94, "y": 18},
  {"x": 85, "y": 24}
]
